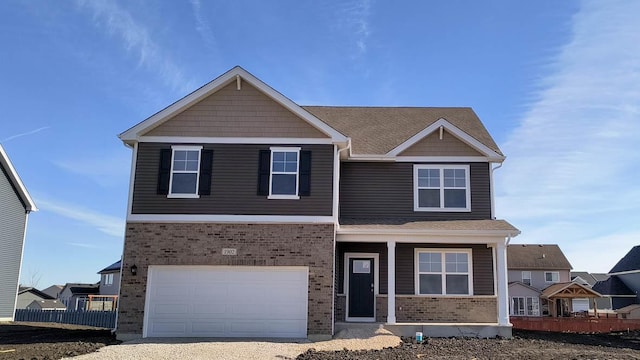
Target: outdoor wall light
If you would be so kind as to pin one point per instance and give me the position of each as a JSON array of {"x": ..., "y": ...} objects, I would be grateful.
[{"x": 134, "y": 270}]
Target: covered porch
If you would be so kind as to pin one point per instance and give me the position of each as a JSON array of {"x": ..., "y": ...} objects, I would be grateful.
[
  {"x": 440, "y": 277},
  {"x": 559, "y": 298}
]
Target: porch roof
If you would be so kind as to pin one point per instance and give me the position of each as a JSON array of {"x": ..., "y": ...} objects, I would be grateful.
[
  {"x": 458, "y": 227},
  {"x": 568, "y": 290}
]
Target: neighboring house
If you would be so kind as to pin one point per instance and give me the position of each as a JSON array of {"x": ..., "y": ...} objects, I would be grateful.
[
  {"x": 623, "y": 284},
  {"x": 590, "y": 279},
  {"x": 252, "y": 216},
  {"x": 16, "y": 204},
  {"x": 110, "y": 279},
  {"x": 46, "y": 305},
  {"x": 26, "y": 295},
  {"x": 540, "y": 282},
  {"x": 75, "y": 295},
  {"x": 53, "y": 291}
]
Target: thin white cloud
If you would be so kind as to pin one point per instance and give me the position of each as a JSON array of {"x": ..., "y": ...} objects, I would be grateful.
[
  {"x": 83, "y": 245},
  {"x": 573, "y": 162},
  {"x": 107, "y": 224},
  {"x": 106, "y": 170},
  {"x": 353, "y": 17},
  {"x": 202, "y": 26},
  {"x": 25, "y": 134},
  {"x": 136, "y": 38}
]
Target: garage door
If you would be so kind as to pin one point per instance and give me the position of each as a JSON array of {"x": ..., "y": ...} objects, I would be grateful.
[{"x": 216, "y": 301}]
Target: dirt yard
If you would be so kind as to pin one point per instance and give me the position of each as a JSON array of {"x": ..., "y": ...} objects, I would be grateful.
[
  {"x": 54, "y": 341},
  {"x": 40, "y": 341}
]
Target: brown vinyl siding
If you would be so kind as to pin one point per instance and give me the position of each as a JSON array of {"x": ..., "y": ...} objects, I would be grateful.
[
  {"x": 482, "y": 258},
  {"x": 432, "y": 145},
  {"x": 377, "y": 190},
  {"x": 237, "y": 113},
  {"x": 234, "y": 184}
]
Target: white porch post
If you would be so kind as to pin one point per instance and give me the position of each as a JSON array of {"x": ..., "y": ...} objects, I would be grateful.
[
  {"x": 391, "y": 282},
  {"x": 502, "y": 293}
]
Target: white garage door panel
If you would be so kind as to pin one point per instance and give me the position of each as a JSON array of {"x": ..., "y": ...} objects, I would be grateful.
[{"x": 218, "y": 301}]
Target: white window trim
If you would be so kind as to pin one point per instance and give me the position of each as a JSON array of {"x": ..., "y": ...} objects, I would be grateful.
[
  {"x": 416, "y": 206},
  {"x": 108, "y": 279},
  {"x": 512, "y": 310},
  {"x": 376, "y": 282},
  {"x": 557, "y": 273},
  {"x": 442, "y": 251},
  {"x": 185, "y": 148},
  {"x": 523, "y": 277},
  {"x": 284, "y": 149}
]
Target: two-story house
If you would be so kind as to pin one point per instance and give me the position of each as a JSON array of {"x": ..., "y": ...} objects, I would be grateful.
[
  {"x": 15, "y": 206},
  {"x": 623, "y": 284},
  {"x": 252, "y": 216},
  {"x": 540, "y": 282}
]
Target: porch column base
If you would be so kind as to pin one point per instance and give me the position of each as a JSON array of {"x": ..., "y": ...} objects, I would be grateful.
[{"x": 391, "y": 282}]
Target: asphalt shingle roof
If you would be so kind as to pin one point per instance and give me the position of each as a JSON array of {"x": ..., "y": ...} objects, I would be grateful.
[
  {"x": 612, "y": 286},
  {"x": 111, "y": 268},
  {"x": 536, "y": 257},
  {"x": 378, "y": 130},
  {"x": 629, "y": 262}
]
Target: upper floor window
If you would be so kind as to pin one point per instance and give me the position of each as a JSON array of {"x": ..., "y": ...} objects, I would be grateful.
[
  {"x": 283, "y": 182},
  {"x": 441, "y": 188},
  {"x": 443, "y": 272},
  {"x": 185, "y": 170},
  {"x": 284, "y": 173},
  {"x": 526, "y": 277},
  {"x": 108, "y": 279},
  {"x": 552, "y": 276}
]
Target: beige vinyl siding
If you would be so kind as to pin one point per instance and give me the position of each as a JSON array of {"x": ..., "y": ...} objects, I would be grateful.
[
  {"x": 237, "y": 113},
  {"x": 234, "y": 184},
  {"x": 375, "y": 190},
  {"x": 432, "y": 145},
  {"x": 12, "y": 224}
]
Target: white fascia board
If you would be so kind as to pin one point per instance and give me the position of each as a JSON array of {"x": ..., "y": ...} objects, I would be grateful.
[
  {"x": 132, "y": 134},
  {"x": 15, "y": 180},
  {"x": 442, "y": 159},
  {"x": 427, "y": 232},
  {"x": 463, "y": 136},
  {"x": 440, "y": 237},
  {"x": 625, "y": 272},
  {"x": 233, "y": 140},
  {"x": 237, "y": 219}
]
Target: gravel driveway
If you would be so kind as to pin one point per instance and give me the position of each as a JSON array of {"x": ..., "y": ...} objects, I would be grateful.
[{"x": 239, "y": 349}]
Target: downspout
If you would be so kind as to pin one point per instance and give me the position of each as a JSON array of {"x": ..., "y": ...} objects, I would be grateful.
[
  {"x": 336, "y": 196},
  {"x": 493, "y": 199}
]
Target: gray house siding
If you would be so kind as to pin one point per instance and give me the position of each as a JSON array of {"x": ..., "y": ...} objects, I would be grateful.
[
  {"x": 27, "y": 298},
  {"x": 112, "y": 289},
  {"x": 234, "y": 184},
  {"x": 12, "y": 225},
  {"x": 482, "y": 259},
  {"x": 374, "y": 190}
]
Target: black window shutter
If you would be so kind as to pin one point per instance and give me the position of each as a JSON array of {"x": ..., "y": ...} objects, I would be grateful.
[
  {"x": 305, "y": 174},
  {"x": 164, "y": 172},
  {"x": 263, "y": 172},
  {"x": 206, "y": 165}
]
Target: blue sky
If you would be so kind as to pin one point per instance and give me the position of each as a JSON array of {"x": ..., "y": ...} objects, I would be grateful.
[{"x": 556, "y": 83}]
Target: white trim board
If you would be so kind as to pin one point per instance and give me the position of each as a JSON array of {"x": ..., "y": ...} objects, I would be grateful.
[
  {"x": 234, "y": 140},
  {"x": 457, "y": 132},
  {"x": 235, "y": 74},
  {"x": 376, "y": 282},
  {"x": 14, "y": 179},
  {"x": 238, "y": 219}
]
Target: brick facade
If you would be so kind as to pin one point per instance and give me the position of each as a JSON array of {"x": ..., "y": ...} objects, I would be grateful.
[
  {"x": 475, "y": 309},
  {"x": 201, "y": 244}
]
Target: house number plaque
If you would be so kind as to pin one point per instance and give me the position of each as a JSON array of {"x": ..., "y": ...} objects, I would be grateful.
[{"x": 229, "y": 252}]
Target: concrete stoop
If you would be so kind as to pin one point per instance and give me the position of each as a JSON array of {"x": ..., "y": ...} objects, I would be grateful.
[{"x": 475, "y": 330}]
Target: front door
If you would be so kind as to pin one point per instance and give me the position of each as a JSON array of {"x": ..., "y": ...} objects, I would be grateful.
[{"x": 361, "y": 288}]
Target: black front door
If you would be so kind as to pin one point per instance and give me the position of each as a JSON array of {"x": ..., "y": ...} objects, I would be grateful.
[{"x": 361, "y": 287}]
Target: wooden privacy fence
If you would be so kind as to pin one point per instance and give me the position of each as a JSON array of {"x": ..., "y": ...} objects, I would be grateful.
[
  {"x": 574, "y": 325},
  {"x": 103, "y": 319}
]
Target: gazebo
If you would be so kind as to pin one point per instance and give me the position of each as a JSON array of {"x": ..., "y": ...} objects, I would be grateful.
[{"x": 559, "y": 296}]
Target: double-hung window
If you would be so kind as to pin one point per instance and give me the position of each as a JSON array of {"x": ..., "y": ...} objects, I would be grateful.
[
  {"x": 285, "y": 167},
  {"x": 552, "y": 276},
  {"x": 108, "y": 279},
  {"x": 525, "y": 306},
  {"x": 443, "y": 272},
  {"x": 526, "y": 277},
  {"x": 441, "y": 188},
  {"x": 185, "y": 171}
]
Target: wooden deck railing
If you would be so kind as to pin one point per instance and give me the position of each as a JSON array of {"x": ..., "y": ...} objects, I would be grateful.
[{"x": 574, "y": 325}]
